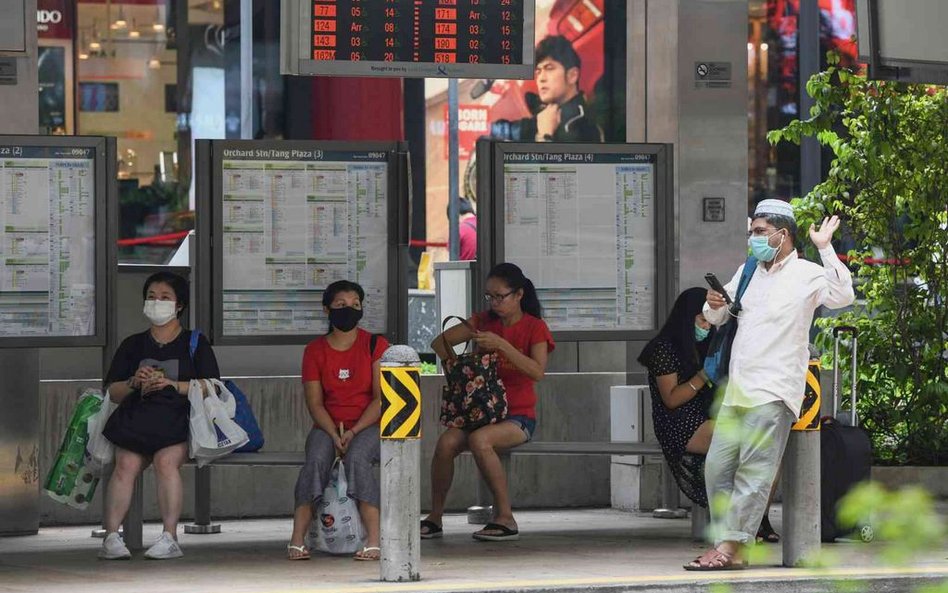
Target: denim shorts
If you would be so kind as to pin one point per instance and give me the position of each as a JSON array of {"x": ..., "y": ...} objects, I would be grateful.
[{"x": 527, "y": 425}]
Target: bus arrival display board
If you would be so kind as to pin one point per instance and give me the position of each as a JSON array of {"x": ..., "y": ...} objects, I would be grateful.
[
  {"x": 408, "y": 38},
  {"x": 53, "y": 240},
  {"x": 289, "y": 218},
  {"x": 588, "y": 224}
]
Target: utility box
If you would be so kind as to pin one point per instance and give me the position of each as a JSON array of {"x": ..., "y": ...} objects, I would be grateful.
[{"x": 635, "y": 479}]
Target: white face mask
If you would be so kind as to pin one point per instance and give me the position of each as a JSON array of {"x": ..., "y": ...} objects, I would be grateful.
[{"x": 160, "y": 312}]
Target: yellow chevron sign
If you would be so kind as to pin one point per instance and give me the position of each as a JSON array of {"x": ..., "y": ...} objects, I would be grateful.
[
  {"x": 401, "y": 403},
  {"x": 810, "y": 411}
]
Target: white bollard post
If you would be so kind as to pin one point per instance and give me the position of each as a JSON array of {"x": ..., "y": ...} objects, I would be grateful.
[
  {"x": 400, "y": 430},
  {"x": 801, "y": 479}
]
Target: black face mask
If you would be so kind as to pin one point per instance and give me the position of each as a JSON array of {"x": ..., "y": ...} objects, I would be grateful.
[{"x": 345, "y": 318}]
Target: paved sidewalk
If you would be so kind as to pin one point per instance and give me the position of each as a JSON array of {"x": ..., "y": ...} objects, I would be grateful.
[{"x": 562, "y": 550}]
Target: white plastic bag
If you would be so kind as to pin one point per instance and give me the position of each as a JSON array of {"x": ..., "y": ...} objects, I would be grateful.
[
  {"x": 100, "y": 452},
  {"x": 213, "y": 432},
  {"x": 337, "y": 523}
]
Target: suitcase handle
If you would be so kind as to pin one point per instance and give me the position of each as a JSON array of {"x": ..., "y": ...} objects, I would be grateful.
[{"x": 838, "y": 331}]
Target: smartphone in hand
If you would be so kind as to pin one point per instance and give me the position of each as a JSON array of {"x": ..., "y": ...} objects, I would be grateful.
[{"x": 716, "y": 286}]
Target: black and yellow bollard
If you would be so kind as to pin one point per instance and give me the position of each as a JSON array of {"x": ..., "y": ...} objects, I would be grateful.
[
  {"x": 812, "y": 398},
  {"x": 401, "y": 402},
  {"x": 400, "y": 430},
  {"x": 801, "y": 477}
]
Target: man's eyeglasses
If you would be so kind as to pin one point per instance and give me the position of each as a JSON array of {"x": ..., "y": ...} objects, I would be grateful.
[{"x": 497, "y": 298}]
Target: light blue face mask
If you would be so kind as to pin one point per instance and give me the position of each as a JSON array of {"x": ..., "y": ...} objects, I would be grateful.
[
  {"x": 701, "y": 334},
  {"x": 761, "y": 249}
]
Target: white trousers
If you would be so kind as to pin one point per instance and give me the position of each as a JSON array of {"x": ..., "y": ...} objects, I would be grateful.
[{"x": 742, "y": 463}]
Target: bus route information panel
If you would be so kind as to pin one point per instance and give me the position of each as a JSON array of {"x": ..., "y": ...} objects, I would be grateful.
[
  {"x": 582, "y": 227},
  {"x": 291, "y": 224},
  {"x": 414, "y": 38},
  {"x": 47, "y": 245}
]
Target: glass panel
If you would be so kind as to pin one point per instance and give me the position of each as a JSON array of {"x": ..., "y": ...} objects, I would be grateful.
[
  {"x": 773, "y": 86},
  {"x": 126, "y": 65},
  {"x": 508, "y": 109}
]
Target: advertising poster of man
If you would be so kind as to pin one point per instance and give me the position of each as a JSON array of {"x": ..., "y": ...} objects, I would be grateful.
[{"x": 577, "y": 94}]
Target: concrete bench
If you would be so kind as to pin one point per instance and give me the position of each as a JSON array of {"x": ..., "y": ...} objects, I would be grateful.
[
  {"x": 202, "y": 480},
  {"x": 670, "y": 492}
]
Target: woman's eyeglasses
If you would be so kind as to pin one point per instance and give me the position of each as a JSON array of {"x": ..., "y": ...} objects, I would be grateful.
[{"x": 497, "y": 298}]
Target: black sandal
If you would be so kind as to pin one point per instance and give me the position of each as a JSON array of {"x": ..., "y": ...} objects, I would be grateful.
[
  {"x": 766, "y": 532},
  {"x": 506, "y": 534},
  {"x": 434, "y": 530}
]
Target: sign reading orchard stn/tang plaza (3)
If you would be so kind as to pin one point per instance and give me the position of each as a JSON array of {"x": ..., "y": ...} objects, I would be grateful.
[{"x": 288, "y": 219}]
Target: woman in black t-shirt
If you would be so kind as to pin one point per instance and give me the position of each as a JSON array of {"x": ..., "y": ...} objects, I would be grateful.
[{"x": 149, "y": 379}]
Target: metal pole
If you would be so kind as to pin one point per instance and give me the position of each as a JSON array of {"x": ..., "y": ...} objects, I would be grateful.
[
  {"x": 135, "y": 517},
  {"x": 700, "y": 517},
  {"x": 808, "y": 34},
  {"x": 246, "y": 69},
  {"x": 671, "y": 499},
  {"x": 400, "y": 431},
  {"x": 801, "y": 477},
  {"x": 801, "y": 498},
  {"x": 202, "y": 503},
  {"x": 454, "y": 241}
]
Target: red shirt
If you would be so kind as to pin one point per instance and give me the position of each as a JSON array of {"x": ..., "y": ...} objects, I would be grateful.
[
  {"x": 521, "y": 397},
  {"x": 345, "y": 376},
  {"x": 467, "y": 235}
]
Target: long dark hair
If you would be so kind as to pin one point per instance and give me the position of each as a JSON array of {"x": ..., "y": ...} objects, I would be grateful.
[
  {"x": 679, "y": 332},
  {"x": 513, "y": 277}
]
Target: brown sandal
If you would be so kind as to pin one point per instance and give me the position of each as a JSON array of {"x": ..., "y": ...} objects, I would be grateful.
[{"x": 718, "y": 561}]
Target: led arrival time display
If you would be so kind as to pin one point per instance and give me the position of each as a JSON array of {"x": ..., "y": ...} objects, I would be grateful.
[{"x": 413, "y": 38}]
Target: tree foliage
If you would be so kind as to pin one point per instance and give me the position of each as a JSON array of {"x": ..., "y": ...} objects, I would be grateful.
[{"x": 889, "y": 183}]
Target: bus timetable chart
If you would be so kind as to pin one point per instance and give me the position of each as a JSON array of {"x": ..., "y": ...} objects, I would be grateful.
[
  {"x": 47, "y": 254},
  {"x": 582, "y": 227},
  {"x": 291, "y": 228},
  {"x": 416, "y": 38}
]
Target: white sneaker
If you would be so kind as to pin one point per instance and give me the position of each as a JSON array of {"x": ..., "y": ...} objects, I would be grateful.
[
  {"x": 164, "y": 549},
  {"x": 113, "y": 548}
]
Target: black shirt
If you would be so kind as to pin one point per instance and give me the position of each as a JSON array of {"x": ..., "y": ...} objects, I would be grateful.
[
  {"x": 576, "y": 124},
  {"x": 173, "y": 358}
]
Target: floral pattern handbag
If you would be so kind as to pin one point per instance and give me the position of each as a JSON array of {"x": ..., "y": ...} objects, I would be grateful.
[{"x": 474, "y": 395}]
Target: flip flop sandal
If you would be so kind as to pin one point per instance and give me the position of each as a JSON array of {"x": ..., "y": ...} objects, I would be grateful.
[
  {"x": 723, "y": 562},
  {"x": 506, "y": 534},
  {"x": 363, "y": 554},
  {"x": 303, "y": 552},
  {"x": 434, "y": 531}
]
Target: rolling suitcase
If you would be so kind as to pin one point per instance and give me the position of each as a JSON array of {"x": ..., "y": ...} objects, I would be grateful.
[{"x": 845, "y": 452}]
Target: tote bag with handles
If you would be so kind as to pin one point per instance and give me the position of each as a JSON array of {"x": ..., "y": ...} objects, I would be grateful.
[
  {"x": 243, "y": 415},
  {"x": 213, "y": 432},
  {"x": 474, "y": 395}
]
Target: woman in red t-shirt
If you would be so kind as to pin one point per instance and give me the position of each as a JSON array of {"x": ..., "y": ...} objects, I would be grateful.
[
  {"x": 513, "y": 327},
  {"x": 341, "y": 384}
]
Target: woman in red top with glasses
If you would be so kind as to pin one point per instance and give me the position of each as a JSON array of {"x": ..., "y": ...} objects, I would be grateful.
[{"x": 513, "y": 327}]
